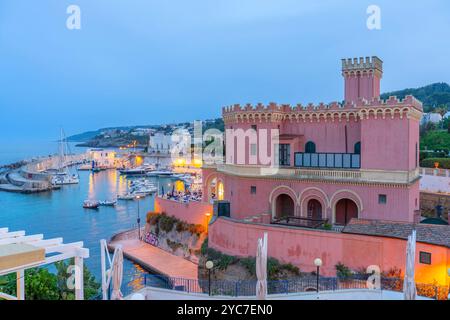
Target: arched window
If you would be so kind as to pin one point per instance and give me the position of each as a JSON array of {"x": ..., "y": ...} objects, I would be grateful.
[
  {"x": 310, "y": 147},
  {"x": 357, "y": 148}
]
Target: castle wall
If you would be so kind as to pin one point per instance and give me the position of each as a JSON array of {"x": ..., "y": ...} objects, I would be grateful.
[{"x": 301, "y": 246}]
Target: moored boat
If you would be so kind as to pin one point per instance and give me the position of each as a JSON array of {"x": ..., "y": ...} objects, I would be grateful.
[
  {"x": 127, "y": 196},
  {"x": 90, "y": 204},
  {"x": 110, "y": 203}
]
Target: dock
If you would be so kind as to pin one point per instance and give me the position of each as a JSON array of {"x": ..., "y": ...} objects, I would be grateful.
[{"x": 156, "y": 260}]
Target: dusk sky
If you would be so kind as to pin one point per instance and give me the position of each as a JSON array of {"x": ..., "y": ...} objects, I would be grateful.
[{"x": 152, "y": 62}]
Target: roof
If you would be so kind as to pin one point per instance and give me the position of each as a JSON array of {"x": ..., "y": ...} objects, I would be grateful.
[
  {"x": 426, "y": 233},
  {"x": 434, "y": 221}
]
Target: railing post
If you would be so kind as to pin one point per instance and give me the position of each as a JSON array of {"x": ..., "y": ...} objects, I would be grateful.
[{"x": 287, "y": 286}]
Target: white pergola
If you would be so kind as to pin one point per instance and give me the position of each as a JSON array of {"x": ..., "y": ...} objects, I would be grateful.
[{"x": 55, "y": 250}]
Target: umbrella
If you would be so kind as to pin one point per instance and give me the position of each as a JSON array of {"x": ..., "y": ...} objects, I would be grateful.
[
  {"x": 117, "y": 273},
  {"x": 409, "y": 285},
  {"x": 261, "y": 268}
]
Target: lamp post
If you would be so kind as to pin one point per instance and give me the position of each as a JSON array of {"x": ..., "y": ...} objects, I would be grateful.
[
  {"x": 138, "y": 218},
  {"x": 318, "y": 264},
  {"x": 209, "y": 265}
]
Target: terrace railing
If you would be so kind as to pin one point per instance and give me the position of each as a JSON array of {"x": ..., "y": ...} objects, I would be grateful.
[
  {"x": 247, "y": 288},
  {"x": 300, "y": 222},
  {"x": 327, "y": 160}
]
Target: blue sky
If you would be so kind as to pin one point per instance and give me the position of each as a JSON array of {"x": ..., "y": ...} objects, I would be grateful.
[{"x": 149, "y": 62}]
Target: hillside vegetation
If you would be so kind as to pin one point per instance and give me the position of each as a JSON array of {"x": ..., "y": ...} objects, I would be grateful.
[{"x": 433, "y": 96}]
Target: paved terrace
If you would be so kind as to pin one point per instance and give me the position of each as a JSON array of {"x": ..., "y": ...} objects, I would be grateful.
[{"x": 157, "y": 260}]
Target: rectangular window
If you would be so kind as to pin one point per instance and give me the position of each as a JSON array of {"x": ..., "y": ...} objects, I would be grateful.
[
  {"x": 417, "y": 156},
  {"x": 254, "y": 127},
  {"x": 253, "y": 149},
  {"x": 285, "y": 154},
  {"x": 382, "y": 199},
  {"x": 252, "y": 189},
  {"x": 425, "y": 257}
]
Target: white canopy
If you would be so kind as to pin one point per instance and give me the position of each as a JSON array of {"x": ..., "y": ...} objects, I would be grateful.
[
  {"x": 409, "y": 285},
  {"x": 55, "y": 250},
  {"x": 261, "y": 268}
]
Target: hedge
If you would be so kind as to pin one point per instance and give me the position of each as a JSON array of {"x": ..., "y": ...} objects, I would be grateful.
[{"x": 444, "y": 163}]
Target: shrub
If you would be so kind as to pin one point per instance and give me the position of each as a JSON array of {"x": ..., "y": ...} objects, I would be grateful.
[
  {"x": 152, "y": 217},
  {"x": 342, "y": 271},
  {"x": 180, "y": 227},
  {"x": 291, "y": 268},
  {"x": 204, "y": 247},
  {"x": 197, "y": 229},
  {"x": 166, "y": 223},
  {"x": 173, "y": 245},
  {"x": 327, "y": 226},
  {"x": 249, "y": 264},
  {"x": 444, "y": 163}
]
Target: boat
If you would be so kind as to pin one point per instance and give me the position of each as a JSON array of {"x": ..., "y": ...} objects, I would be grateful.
[
  {"x": 133, "y": 171},
  {"x": 62, "y": 175},
  {"x": 145, "y": 191},
  {"x": 110, "y": 203},
  {"x": 160, "y": 173},
  {"x": 90, "y": 204},
  {"x": 127, "y": 196},
  {"x": 61, "y": 179}
]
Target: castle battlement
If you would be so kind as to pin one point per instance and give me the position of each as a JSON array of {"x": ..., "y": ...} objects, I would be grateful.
[
  {"x": 392, "y": 102},
  {"x": 362, "y": 64}
]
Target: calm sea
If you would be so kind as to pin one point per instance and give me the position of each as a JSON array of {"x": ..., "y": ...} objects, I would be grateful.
[{"x": 60, "y": 214}]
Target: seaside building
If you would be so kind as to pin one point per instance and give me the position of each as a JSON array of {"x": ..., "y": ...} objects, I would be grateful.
[
  {"x": 160, "y": 143},
  {"x": 337, "y": 181}
]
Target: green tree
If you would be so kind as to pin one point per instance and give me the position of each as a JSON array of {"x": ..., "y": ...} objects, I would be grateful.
[
  {"x": 91, "y": 286},
  {"x": 41, "y": 284}
]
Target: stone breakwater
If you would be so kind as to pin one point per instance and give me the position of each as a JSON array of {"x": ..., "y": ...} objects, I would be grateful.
[{"x": 31, "y": 176}]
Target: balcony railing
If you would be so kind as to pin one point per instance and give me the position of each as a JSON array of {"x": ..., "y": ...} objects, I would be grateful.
[{"x": 328, "y": 160}]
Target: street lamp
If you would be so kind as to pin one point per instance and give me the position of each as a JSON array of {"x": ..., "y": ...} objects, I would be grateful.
[
  {"x": 209, "y": 265},
  {"x": 318, "y": 264},
  {"x": 139, "y": 218}
]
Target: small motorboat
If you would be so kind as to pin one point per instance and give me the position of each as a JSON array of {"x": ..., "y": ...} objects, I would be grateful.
[
  {"x": 110, "y": 203},
  {"x": 127, "y": 196},
  {"x": 90, "y": 204}
]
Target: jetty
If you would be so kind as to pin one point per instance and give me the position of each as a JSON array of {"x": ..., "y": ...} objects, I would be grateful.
[
  {"x": 153, "y": 259},
  {"x": 32, "y": 176}
]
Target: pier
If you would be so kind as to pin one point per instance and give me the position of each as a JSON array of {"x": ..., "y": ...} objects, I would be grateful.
[
  {"x": 152, "y": 258},
  {"x": 31, "y": 176}
]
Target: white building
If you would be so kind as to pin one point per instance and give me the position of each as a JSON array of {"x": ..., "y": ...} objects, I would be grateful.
[
  {"x": 431, "y": 117},
  {"x": 160, "y": 143}
]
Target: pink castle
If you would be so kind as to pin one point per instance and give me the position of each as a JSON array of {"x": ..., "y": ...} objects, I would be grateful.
[
  {"x": 337, "y": 161},
  {"x": 337, "y": 181}
]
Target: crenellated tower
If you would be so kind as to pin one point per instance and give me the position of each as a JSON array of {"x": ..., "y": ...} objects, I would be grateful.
[{"x": 362, "y": 78}]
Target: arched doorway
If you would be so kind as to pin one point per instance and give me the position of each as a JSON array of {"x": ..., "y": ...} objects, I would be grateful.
[
  {"x": 284, "y": 206},
  {"x": 346, "y": 209},
  {"x": 314, "y": 209}
]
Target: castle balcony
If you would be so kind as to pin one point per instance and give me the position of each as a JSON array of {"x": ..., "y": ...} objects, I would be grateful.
[
  {"x": 354, "y": 175},
  {"x": 327, "y": 160}
]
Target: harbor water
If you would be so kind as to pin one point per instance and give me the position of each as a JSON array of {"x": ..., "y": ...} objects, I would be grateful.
[{"x": 59, "y": 213}]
